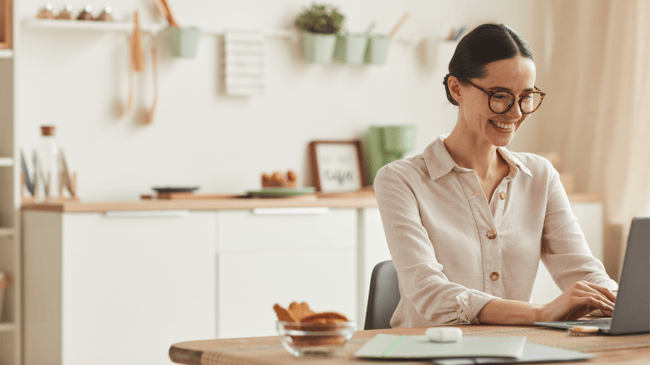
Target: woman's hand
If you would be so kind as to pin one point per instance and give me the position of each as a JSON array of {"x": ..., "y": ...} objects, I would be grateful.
[{"x": 579, "y": 300}]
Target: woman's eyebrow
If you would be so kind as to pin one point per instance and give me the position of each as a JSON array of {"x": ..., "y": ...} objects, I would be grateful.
[{"x": 507, "y": 89}]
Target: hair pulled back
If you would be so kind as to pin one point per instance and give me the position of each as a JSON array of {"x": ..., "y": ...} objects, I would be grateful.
[{"x": 486, "y": 43}]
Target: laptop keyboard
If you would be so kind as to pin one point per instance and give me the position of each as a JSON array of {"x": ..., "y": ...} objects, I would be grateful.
[{"x": 600, "y": 323}]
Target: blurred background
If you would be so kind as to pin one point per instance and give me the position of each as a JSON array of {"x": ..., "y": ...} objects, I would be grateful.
[{"x": 592, "y": 61}]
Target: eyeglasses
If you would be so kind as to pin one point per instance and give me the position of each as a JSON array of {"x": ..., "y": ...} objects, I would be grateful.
[{"x": 501, "y": 101}]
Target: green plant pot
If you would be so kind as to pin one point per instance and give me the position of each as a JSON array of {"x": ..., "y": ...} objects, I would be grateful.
[
  {"x": 183, "y": 41},
  {"x": 351, "y": 48},
  {"x": 377, "y": 49},
  {"x": 318, "y": 48}
]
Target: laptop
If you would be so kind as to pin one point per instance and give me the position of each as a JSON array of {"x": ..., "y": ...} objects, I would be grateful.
[{"x": 632, "y": 310}]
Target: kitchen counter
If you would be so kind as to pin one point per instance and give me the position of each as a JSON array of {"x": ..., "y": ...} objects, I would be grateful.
[{"x": 360, "y": 200}]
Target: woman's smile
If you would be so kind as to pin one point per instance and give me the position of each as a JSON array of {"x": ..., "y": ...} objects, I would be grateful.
[{"x": 501, "y": 126}]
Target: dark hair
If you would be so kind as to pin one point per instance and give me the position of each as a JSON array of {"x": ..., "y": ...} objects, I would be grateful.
[{"x": 486, "y": 43}]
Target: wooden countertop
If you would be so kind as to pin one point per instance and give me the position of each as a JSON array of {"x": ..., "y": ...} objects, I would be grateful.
[
  {"x": 352, "y": 200},
  {"x": 361, "y": 200},
  {"x": 631, "y": 349}
]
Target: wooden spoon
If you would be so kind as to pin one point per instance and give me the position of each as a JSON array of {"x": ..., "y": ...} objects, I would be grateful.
[
  {"x": 170, "y": 16},
  {"x": 154, "y": 66},
  {"x": 129, "y": 100},
  {"x": 398, "y": 25},
  {"x": 137, "y": 44}
]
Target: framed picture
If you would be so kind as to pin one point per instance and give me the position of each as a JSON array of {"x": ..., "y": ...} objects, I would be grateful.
[
  {"x": 337, "y": 166},
  {"x": 5, "y": 24}
]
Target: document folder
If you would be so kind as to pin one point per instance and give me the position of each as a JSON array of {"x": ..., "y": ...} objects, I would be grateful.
[{"x": 419, "y": 347}]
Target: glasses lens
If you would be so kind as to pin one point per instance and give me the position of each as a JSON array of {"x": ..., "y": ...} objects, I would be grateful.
[
  {"x": 530, "y": 102},
  {"x": 500, "y": 102}
]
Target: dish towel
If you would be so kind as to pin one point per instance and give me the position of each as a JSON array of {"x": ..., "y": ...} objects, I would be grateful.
[{"x": 244, "y": 62}]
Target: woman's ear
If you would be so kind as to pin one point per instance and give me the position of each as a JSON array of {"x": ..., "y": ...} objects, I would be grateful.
[{"x": 454, "y": 88}]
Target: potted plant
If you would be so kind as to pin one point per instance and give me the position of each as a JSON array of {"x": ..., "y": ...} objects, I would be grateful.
[{"x": 320, "y": 24}]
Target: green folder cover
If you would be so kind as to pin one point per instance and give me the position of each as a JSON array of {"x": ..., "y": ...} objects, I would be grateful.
[
  {"x": 419, "y": 347},
  {"x": 533, "y": 353}
]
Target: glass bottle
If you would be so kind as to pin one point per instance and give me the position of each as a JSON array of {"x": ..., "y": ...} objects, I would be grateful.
[{"x": 48, "y": 155}]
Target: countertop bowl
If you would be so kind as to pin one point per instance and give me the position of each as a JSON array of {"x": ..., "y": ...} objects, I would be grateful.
[{"x": 314, "y": 339}]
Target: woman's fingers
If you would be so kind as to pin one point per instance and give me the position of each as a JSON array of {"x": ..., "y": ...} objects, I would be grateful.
[
  {"x": 589, "y": 291},
  {"x": 579, "y": 300},
  {"x": 593, "y": 302},
  {"x": 603, "y": 290}
]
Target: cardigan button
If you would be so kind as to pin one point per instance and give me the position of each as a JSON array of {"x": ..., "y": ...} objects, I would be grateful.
[
  {"x": 502, "y": 195},
  {"x": 491, "y": 234},
  {"x": 494, "y": 276}
]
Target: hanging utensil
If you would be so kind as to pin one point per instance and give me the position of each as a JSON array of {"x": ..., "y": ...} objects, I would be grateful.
[
  {"x": 398, "y": 25},
  {"x": 170, "y": 16},
  {"x": 138, "y": 55},
  {"x": 154, "y": 66},
  {"x": 129, "y": 100}
]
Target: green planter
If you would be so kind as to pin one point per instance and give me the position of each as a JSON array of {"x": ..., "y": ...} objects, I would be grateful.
[
  {"x": 318, "y": 48},
  {"x": 351, "y": 48},
  {"x": 377, "y": 49},
  {"x": 184, "y": 41}
]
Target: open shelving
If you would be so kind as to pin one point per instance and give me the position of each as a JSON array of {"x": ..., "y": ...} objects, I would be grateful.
[{"x": 155, "y": 28}]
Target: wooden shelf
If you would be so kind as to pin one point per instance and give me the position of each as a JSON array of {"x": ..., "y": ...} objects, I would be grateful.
[
  {"x": 6, "y": 53},
  {"x": 6, "y": 232},
  {"x": 7, "y": 327},
  {"x": 6, "y": 161},
  {"x": 89, "y": 25},
  {"x": 155, "y": 28}
]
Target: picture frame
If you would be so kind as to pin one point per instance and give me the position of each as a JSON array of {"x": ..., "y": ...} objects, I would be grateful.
[
  {"x": 5, "y": 24},
  {"x": 337, "y": 166}
]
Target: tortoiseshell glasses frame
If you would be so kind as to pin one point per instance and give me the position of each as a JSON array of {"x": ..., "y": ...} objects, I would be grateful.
[{"x": 501, "y": 96}]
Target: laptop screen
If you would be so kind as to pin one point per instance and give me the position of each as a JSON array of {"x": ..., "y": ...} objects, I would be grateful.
[{"x": 632, "y": 310}]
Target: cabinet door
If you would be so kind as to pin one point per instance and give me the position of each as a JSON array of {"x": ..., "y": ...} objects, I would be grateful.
[
  {"x": 269, "y": 259},
  {"x": 590, "y": 219},
  {"x": 250, "y": 284},
  {"x": 135, "y": 283}
]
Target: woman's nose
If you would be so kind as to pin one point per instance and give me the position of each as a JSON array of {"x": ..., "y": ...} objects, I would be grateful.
[{"x": 515, "y": 111}]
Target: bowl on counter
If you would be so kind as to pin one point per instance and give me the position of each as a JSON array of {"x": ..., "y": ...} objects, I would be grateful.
[
  {"x": 314, "y": 339},
  {"x": 175, "y": 189}
]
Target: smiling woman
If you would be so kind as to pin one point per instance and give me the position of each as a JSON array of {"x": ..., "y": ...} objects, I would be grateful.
[{"x": 464, "y": 219}]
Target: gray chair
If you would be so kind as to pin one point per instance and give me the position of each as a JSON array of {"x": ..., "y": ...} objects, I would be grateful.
[{"x": 383, "y": 296}]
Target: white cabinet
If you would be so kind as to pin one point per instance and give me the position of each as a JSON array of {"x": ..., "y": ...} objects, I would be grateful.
[
  {"x": 280, "y": 256},
  {"x": 117, "y": 289}
]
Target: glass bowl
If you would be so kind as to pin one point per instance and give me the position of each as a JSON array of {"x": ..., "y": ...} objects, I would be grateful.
[{"x": 314, "y": 339}]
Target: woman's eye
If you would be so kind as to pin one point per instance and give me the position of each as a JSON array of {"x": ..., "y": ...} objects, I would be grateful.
[
  {"x": 500, "y": 96},
  {"x": 527, "y": 97}
]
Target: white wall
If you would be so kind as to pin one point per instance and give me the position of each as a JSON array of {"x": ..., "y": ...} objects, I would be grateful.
[{"x": 77, "y": 80}]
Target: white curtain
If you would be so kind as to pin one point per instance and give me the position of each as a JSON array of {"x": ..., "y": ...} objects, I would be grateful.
[{"x": 593, "y": 60}]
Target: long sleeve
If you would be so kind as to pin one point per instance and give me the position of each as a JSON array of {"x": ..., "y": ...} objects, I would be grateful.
[
  {"x": 421, "y": 276},
  {"x": 564, "y": 248}
]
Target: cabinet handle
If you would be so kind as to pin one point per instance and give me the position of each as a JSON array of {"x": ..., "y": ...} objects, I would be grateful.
[
  {"x": 281, "y": 211},
  {"x": 147, "y": 213}
]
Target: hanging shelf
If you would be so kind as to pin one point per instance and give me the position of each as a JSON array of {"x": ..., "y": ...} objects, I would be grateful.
[{"x": 154, "y": 28}]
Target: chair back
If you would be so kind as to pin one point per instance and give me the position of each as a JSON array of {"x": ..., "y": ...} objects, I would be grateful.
[{"x": 383, "y": 296}]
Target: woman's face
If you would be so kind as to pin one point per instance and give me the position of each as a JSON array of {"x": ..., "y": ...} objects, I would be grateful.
[{"x": 516, "y": 75}]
